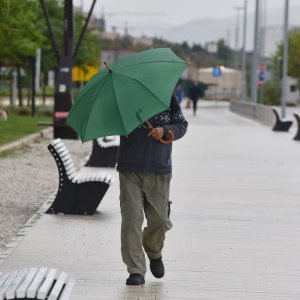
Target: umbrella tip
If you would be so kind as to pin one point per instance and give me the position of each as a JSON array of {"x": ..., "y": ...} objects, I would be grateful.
[{"x": 107, "y": 66}]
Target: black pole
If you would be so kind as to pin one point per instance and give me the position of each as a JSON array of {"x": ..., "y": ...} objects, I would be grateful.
[
  {"x": 83, "y": 30},
  {"x": 63, "y": 98},
  {"x": 33, "y": 87},
  {"x": 52, "y": 38}
]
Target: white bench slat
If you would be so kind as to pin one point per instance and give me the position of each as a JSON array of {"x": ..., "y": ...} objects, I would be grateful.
[
  {"x": 6, "y": 284},
  {"x": 47, "y": 284},
  {"x": 21, "y": 291},
  {"x": 58, "y": 146},
  {"x": 107, "y": 178},
  {"x": 60, "y": 149},
  {"x": 67, "y": 289},
  {"x": 61, "y": 280},
  {"x": 70, "y": 171},
  {"x": 34, "y": 283},
  {"x": 72, "y": 176},
  {"x": 38, "y": 280},
  {"x": 3, "y": 278},
  {"x": 56, "y": 141},
  {"x": 66, "y": 158},
  {"x": 10, "y": 293},
  {"x": 64, "y": 153},
  {"x": 75, "y": 178},
  {"x": 69, "y": 166}
]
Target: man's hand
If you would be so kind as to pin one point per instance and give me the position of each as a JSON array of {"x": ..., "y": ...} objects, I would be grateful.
[{"x": 157, "y": 133}]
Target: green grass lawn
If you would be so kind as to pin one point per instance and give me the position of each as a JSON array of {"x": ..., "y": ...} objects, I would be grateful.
[{"x": 18, "y": 126}]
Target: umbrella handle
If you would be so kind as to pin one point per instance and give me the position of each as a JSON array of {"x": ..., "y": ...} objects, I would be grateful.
[{"x": 170, "y": 132}]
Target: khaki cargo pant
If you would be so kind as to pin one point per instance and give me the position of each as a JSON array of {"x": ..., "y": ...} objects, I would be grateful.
[{"x": 143, "y": 194}]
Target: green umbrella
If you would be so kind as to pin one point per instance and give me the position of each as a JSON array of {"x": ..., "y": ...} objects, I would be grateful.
[{"x": 125, "y": 94}]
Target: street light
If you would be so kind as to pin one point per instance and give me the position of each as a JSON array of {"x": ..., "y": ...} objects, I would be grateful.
[
  {"x": 285, "y": 59},
  {"x": 243, "y": 88},
  {"x": 237, "y": 33},
  {"x": 255, "y": 56}
]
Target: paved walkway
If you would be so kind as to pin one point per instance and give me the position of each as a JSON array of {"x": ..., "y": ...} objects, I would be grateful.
[{"x": 236, "y": 215}]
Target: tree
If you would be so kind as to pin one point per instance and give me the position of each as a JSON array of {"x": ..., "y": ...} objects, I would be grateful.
[
  {"x": 225, "y": 54},
  {"x": 293, "y": 55},
  {"x": 20, "y": 35}
]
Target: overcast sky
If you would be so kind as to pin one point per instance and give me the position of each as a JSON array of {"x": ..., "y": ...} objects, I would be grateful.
[{"x": 171, "y": 12}]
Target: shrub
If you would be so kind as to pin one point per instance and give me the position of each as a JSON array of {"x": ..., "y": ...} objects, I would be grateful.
[
  {"x": 24, "y": 111},
  {"x": 44, "y": 111},
  {"x": 271, "y": 93}
]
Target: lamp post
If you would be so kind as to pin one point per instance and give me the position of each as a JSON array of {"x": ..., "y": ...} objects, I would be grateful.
[
  {"x": 243, "y": 87},
  {"x": 255, "y": 56},
  {"x": 63, "y": 98},
  {"x": 285, "y": 59},
  {"x": 237, "y": 33}
]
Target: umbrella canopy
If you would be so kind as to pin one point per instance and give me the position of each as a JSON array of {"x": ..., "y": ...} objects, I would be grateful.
[{"x": 122, "y": 96}]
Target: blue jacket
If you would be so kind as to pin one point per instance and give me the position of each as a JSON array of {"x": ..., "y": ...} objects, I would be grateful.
[{"x": 143, "y": 154}]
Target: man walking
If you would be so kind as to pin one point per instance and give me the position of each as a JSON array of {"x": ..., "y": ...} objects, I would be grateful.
[{"x": 145, "y": 171}]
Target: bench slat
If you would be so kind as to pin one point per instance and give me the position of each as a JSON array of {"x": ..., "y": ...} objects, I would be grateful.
[
  {"x": 21, "y": 291},
  {"x": 38, "y": 280},
  {"x": 3, "y": 278},
  {"x": 61, "y": 280},
  {"x": 6, "y": 284},
  {"x": 47, "y": 284},
  {"x": 10, "y": 293},
  {"x": 67, "y": 289}
]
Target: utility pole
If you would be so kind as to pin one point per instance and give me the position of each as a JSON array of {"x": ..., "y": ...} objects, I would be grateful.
[
  {"x": 255, "y": 56},
  {"x": 285, "y": 60},
  {"x": 244, "y": 79}
]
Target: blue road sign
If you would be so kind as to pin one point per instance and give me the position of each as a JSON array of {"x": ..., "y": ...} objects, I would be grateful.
[
  {"x": 216, "y": 71},
  {"x": 261, "y": 76}
]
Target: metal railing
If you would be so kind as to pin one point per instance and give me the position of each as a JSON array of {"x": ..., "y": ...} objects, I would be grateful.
[{"x": 257, "y": 112}]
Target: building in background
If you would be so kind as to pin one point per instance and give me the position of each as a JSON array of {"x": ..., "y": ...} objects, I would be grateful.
[{"x": 225, "y": 87}]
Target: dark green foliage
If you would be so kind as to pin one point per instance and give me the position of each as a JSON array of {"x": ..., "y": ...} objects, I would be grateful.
[{"x": 271, "y": 93}]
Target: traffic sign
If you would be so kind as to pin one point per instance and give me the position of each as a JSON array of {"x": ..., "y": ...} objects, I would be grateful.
[
  {"x": 261, "y": 75},
  {"x": 216, "y": 71}
]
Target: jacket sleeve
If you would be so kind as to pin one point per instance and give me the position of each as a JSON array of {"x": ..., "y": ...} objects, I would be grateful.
[{"x": 178, "y": 123}]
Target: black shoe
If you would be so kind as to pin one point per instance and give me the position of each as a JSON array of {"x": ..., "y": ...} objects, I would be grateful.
[
  {"x": 157, "y": 267},
  {"x": 135, "y": 279}
]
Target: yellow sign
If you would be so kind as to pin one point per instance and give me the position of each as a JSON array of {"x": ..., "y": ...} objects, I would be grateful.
[{"x": 83, "y": 75}]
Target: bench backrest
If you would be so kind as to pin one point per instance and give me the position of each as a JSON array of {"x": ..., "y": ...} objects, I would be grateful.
[
  {"x": 276, "y": 113},
  {"x": 36, "y": 283},
  {"x": 63, "y": 159},
  {"x": 67, "y": 168}
]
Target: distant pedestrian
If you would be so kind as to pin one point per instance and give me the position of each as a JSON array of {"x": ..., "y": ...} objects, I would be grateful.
[
  {"x": 179, "y": 93},
  {"x": 194, "y": 96}
]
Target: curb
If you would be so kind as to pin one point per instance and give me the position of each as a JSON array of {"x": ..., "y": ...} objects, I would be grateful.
[
  {"x": 6, "y": 250},
  {"x": 26, "y": 140}
]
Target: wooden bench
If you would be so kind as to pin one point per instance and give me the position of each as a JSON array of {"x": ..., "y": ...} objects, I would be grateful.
[
  {"x": 104, "y": 152},
  {"x": 36, "y": 283},
  {"x": 77, "y": 194},
  {"x": 297, "y": 136},
  {"x": 281, "y": 124}
]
